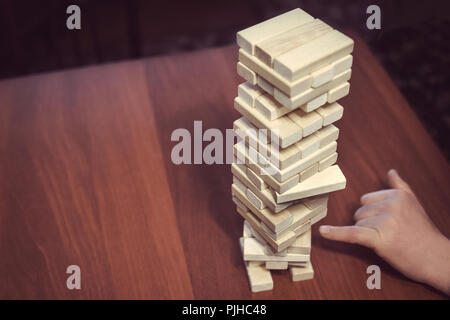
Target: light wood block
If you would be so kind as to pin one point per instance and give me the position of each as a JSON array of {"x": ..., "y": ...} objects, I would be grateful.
[
  {"x": 239, "y": 184},
  {"x": 313, "y": 55},
  {"x": 274, "y": 46},
  {"x": 322, "y": 76},
  {"x": 241, "y": 211},
  {"x": 328, "y": 180},
  {"x": 327, "y": 135},
  {"x": 269, "y": 251},
  {"x": 331, "y": 113},
  {"x": 285, "y": 131},
  {"x": 257, "y": 181},
  {"x": 265, "y": 85},
  {"x": 250, "y": 134},
  {"x": 301, "y": 245},
  {"x": 315, "y": 103},
  {"x": 276, "y": 265},
  {"x": 249, "y": 92},
  {"x": 247, "y": 231},
  {"x": 308, "y": 145},
  {"x": 327, "y": 162},
  {"x": 309, "y": 122},
  {"x": 248, "y": 38},
  {"x": 319, "y": 201},
  {"x": 342, "y": 64},
  {"x": 289, "y": 88},
  {"x": 260, "y": 278},
  {"x": 322, "y": 214},
  {"x": 293, "y": 102},
  {"x": 302, "y": 273},
  {"x": 270, "y": 108},
  {"x": 246, "y": 73},
  {"x": 297, "y": 264},
  {"x": 258, "y": 203},
  {"x": 255, "y": 251},
  {"x": 308, "y": 173},
  {"x": 338, "y": 92},
  {"x": 239, "y": 203}
]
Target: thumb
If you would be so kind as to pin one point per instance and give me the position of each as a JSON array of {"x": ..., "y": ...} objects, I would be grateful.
[
  {"x": 352, "y": 234},
  {"x": 396, "y": 182}
]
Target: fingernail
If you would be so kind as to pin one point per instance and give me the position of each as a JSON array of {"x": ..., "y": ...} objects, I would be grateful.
[
  {"x": 324, "y": 229},
  {"x": 392, "y": 171}
]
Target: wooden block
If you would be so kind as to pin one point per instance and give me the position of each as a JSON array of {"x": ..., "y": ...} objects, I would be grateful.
[
  {"x": 342, "y": 64},
  {"x": 241, "y": 211},
  {"x": 270, "y": 251},
  {"x": 338, "y": 92},
  {"x": 239, "y": 203},
  {"x": 260, "y": 278},
  {"x": 265, "y": 85},
  {"x": 249, "y": 92},
  {"x": 302, "y": 273},
  {"x": 331, "y": 113},
  {"x": 258, "y": 203},
  {"x": 319, "y": 201},
  {"x": 257, "y": 181},
  {"x": 322, "y": 76},
  {"x": 315, "y": 103},
  {"x": 294, "y": 102},
  {"x": 328, "y": 180},
  {"x": 297, "y": 264},
  {"x": 252, "y": 135},
  {"x": 308, "y": 145},
  {"x": 308, "y": 173},
  {"x": 256, "y": 263},
  {"x": 289, "y": 88},
  {"x": 239, "y": 184},
  {"x": 327, "y": 135},
  {"x": 327, "y": 162},
  {"x": 319, "y": 216},
  {"x": 246, "y": 73},
  {"x": 254, "y": 251},
  {"x": 270, "y": 108},
  {"x": 248, "y": 38},
  {"x": 285, "y": 131},
  {"x": 276, "y": 265},
  {"x": 274, "y": 46},
  {"x": 247, "y": 231},
  {"x": 313, "y": 55},
  {"x": 301, "y": 245},
  {"x": 309, "y": 122}
]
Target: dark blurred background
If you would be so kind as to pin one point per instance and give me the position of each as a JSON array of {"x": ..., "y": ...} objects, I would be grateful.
[{"x": 413, "y": 43}]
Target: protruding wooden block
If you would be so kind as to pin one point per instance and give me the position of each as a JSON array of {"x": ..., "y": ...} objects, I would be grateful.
[
  {"x": 309, "y": 122},
  {"x": 319, "y": 201},
  {"x": 331, "y": 113},
  {"x": 311, "y": 56},
  {"x": 302, "y": 273},
  {"x": 327, "y": 135},
  {"x": 338, "y": 92},
  {"x": 247, "y": 231},
  {"x": 276, "y": 265},
  {"x": 249, "y": 92},
  {"x": 308, "y": 173},
  {"x": 239, "y": 184},
  {"x": 270, "y": 108},
  {"x": 254, "y": 251},
  {"x": 308, "y": 145},
  {"x": 342, "y": 64},
  {"x": 248, "y": 38},
  {"x": 258, "y": 203},
  {"x": 315, "y": 103},
  {"x": 322, "y": 76},
  {"x": 322, "y": 214},
  {"x": 302, "y": 245},
  {"x": 239, "y": 203},
  {"x": 246, "y": 73},
  {"x": 260, "y": 278},
  {"x": 327, "y": 162},
  {"x": 272, "y": 47},
  {"x": 265, "y": 85}
]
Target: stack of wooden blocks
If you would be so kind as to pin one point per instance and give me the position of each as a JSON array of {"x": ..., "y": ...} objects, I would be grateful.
[{"x": 296, "y": 68}]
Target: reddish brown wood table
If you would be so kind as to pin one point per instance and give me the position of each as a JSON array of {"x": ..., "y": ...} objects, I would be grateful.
[{"x": 86, "y": 178}]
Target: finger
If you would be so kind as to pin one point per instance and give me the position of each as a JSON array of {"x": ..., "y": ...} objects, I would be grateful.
[
  {"x": 396, "y": 182},
  {"x": 352, "y": 234},
  {"x": 376, "y": 196},
  {"x": 372, "y": 222},
  {"x": 369, "y": 210}
]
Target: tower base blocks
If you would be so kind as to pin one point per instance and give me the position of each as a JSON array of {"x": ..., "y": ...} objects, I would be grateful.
[{"x": 296, "y": 67}]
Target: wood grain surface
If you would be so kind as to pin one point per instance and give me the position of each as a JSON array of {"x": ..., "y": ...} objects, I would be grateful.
[{"x": 86, "y": 178}]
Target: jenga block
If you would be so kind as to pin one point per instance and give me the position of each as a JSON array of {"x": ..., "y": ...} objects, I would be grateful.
[
  {"x": 246, "y": 232},
  {"x": 239, "y": 203},
  {"x": 258, "y": 203},
  {"x": 269, "y": 251},
  {"x": 328, "y": 180},
  {"x": 309, "y": 122},
  {"x": 252, "y": 135},
  {"x": 294, "y": 102},
  {"x": 315, "y": 103},
  {"x": 302, "y": 273},
  {"x": 239, "y": 184},
  {"x": 316, "y": 201},
  {"x": 256, "y": 263},
  {"x": 257, "y": 181},
  {"x": 285, "y": 130},
  {"x": 241, "y": 211},
  {"x": 270, "y": 108},
  {"x": 342, "y": 64},
  {"x": 327, "y": 135},
  {"x": 308, "y": 173},
  {"x": 322, "y": 214},
  {"x": 249, "y": 92},
  {"x": 289, "y": 88},
  {"x": 331, "y": 113},
  {"x": 301, "y": 245},
  {"x": 276, "y": 265},
  {"x": 276, "y": 45},
  {"x": 327, "y": 162},
  {"x": 260, "y": 278},
  {"x": 246, "y": 73},
  {"x": 338, "y": 92},
  {"x": 317, "y": 53},
  {"x": 248, "y": 38},
  {"x": 308, "y": 145},
  {"x": 322, "y": 76},
  {"x": 297, "y": 264},
  {"x": 265, "y": 85},
  {"x": 254, "y": 251}
]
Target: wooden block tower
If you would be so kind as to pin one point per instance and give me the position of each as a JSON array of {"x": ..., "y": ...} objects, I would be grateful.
[{"x": 296, "y": 67}]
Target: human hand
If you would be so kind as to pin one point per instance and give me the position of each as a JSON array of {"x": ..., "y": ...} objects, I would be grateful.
[{"x": 394, "y": 224}]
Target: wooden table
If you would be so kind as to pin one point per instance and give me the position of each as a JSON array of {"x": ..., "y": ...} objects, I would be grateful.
[{"x": 86, "y": 179}]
